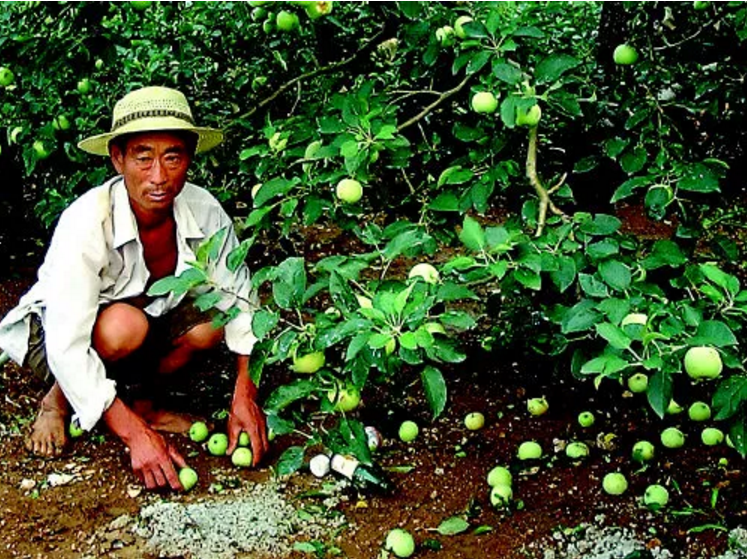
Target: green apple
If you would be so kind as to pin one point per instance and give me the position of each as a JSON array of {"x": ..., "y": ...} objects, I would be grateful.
[
  {"x": 474, "y": 421},
  {"x": 586, "y": 419},
  {"x": 625, "y": 55},
  {"x": 458, "y": 26},
  {"x": 700, "y": 4},
  {"x": 529, "y": 118},
  {"x": 673, "y": 408},
  {"x": 318, "y": 9},
  {"x": 643, "y": 451},
  {"x": 140, "y": 5},
  {"x": 218, "y": 444},
  {"x": 286, "y": 21},
  {"x": 349, "y": 191},
  {"x": 656, "y": 497},
  {"x": 74, "y": 430},
  {"x": 6, "y": 76},
  {"x": 408, "y": 431},
  {"x": 703, "y": 363},
  {"x": 529, "y": 450},
  {"x": 711, "y": 436},
  {"x": 40, "y": 149},
  {"x": 445, "y": 35},
  {"x": 99, "y": 64},
  {"x": 188, "y": 478},
  {"x": 537, "y": 406},
  {"x": 346, "y": 398},
  {"x": 484, "y": 102},
  {"x": 500, "y": 475},
  {"x": 242, "y": 457},
  {"x": 400, "y": 542},
  {"x": 258, "y": 14},
  {"x": 614, "y": 483},
  {"x": 268, "y": 26},
  {"x": 501, "y": 495},
  {"x": 309, "y": 363},
  {"x": 638, "y": 383},
  {"x": 577, "y": 450},
  {"x": 61, "y": 122},
  {"x": 425, "y": 271},
  {"x": 244, "y": 439},
  {"x": 699, "y": 411},
  {"x": 198, "y": 432},
  {"x": 671, "y": 437},
  {"x": 84, "y": 86}
]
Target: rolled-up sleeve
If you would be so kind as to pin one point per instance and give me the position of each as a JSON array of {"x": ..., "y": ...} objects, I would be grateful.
[{"x": 76, "y": 257}]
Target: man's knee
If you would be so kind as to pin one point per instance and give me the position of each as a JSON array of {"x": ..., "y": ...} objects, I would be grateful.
[
  {"x": 200, "y": 337},
  {"x": 120, "y": 329}
]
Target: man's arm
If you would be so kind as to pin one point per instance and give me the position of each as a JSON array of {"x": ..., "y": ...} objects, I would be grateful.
[
  {"x": 246, "y": 414},
  {"x": 152, "y": 457}
]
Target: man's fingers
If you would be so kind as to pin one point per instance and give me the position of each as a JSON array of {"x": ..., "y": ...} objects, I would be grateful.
[{"x": 176, "y": 457}]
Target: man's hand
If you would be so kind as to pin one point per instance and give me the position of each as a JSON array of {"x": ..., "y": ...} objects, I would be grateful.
[
  {"x": 246, "y": 414},
  {"x": 152, "y": 457}
]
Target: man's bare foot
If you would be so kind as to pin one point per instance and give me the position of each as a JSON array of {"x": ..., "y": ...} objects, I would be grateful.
[
  {"x": 48, "y": 436},
  {"x": 161, "y": 420}
]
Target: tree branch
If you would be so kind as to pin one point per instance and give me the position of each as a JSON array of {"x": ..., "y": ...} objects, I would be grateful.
[
  {"x": 441, "y": 98},
  {"x": 542, "y": 193}
]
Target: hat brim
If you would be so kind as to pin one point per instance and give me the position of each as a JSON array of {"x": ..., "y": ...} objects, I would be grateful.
[{"x": 207, "y": 138}]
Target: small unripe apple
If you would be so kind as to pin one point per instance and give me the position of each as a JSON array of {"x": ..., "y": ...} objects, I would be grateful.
[
  {"x": 577, "y": 450},
  {"x": 484, "y": 102},
  {"x": 84, "y": 86},
  {"x": 286, "y": 21},
  {"x": 671, "y": 437},
  {"x": 500, "y": 475},
  {"x": 408, "y": 431},
  {"x": 346, "y": 398},
  {"x": 61, "y": 123},
  {"x": 656, "y": 497},
  {"x": 318, "y": 9},
  {"x": 673, "y": 408},
  {"x": 445, "y": 35},
  {"x": 700, "y": 4},
  {"x": 6, "y": 76},
  {"x": 703, "y": 363},
  {"x": 474, "y": 421},
  {"x": 349, "y": 191},
  {"x": 699, "y": 411},
  {"x": 712, "y": 436},
  {"x": 400, "y": 542},
  {"x": 529, "y": 450},
  {"x": 625, "y": 55},
  {"x": 74, "y": 430},
  {"x": 643, "y": 451},
  {"x": 198, "y": 432},
  {"x": 586, "y": 419},
  {"x": 40, "y": 149},
  {"x": 244, "y": 439},
  {"x": 458, "y": 29},
  {"x": 615, "y": 483},
  {"x": 218, "y": 444},
  {"x": 188, "y": 478},
  {"x": 529, "y": 118},
  {"x": 309, "y": 363},
  {"x": 501, "y": 495},
  {"x": 537, "y": 406},
  {"x": 638, "y": 383},
  {"x": 425, "y": 271},
  {"x": 242, "y": 457}
]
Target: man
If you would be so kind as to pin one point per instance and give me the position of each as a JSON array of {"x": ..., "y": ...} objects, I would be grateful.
[{"x": 88, "y": 321}]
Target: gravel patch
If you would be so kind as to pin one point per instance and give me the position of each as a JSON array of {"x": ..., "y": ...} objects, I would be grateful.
[{"x": 258, "y": 522}]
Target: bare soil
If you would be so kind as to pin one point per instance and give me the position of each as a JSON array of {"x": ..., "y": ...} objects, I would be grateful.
[{"x": 447, "y": 478}]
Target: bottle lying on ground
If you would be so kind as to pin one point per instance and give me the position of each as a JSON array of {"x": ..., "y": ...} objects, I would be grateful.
[{"x": 363, "y": 476}]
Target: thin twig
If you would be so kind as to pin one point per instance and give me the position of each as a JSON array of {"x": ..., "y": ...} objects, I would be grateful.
[
  {"x": 542, "y": 193},
  {"x": 443, "y": 97}
]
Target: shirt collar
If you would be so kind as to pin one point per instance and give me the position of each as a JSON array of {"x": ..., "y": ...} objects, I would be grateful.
[{"x": 125, "y": 226}]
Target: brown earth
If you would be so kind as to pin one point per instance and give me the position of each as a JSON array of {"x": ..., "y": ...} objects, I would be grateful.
[{"x": 449, "y": 467}]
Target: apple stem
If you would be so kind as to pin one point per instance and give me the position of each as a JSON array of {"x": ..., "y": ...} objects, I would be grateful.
[{"x": 543, "y": 193}]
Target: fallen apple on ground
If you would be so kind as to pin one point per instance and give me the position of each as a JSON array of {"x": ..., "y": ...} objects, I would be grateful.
[
  {"x": 501, "y": 495},
  {"x": 198, "y": 432},
  {"x": 638, "y": 383},
  {"x": 474, "y": 421},
  {"x": 712, "y": 436},
  {"x": 218, "y": 444},
  {"x": 537, "y": 406},
  {"x": 656, "y": 496},
  {"x": 400, "y": 542},
  {"x": 408, "y": 431},
  {"x": 188, "y": 478},
  {"x": 242, "y": 457},
  {"x": 244, "y": 439},
  {"x": 500, "y": 475},
  {"x": 643, "y": 451},
  {"x": 615, "y": 483},
  {"x": 699, "y": 411},
  {"x": 586, "y": 419},
  {"x": 577, "y": 450},
  {"x": 529, "y": 450},
  {"x": 671, "y": 437},
  {"x": 74, "y": 430}
]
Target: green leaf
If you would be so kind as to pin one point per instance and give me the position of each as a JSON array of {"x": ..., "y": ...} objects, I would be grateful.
[
  {"x": 455, "y": 175},
  {"x": 606, "y": 365},
  {"x": 237, "y": 256},
  {"x": 628, "y": 188},
  {"x": 285, "y": 394},
  {"x": 507, "y": 72},
  {"x": 634, "y": 160},
  {"x": 478, "y": 61},
  {"x": 528, "y": 278},
  {"x": 452, "y": 526},
  {"x": 659, "y": 392},
  {"x": 713, "y": 332},
  {"x": 445, "y": 202},
  {"x": 615, "y": 274},
  {"x": 206, "y": 301},
  {"x": 290, "y": 461},
  {"x": 730, "y": 397},
  {"x": 472, "y": 235},
  {"x": 565, "y": 275},
  {"x": 602, "y": 224},
  {"x": 614, "y": 335},
  {"x": 592, "y": 286},
  {"x": 554, "y": 66},
  {"x": 664, "y": 253},
  {"x": 434, "y": 387},
  {"x": 580, "y": 317},
  {"x": 263, "y": 322},
  {"x": 699, "y": 178}
]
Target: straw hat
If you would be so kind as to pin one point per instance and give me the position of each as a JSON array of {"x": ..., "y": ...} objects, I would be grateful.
[{"x": 152, "y": 109}]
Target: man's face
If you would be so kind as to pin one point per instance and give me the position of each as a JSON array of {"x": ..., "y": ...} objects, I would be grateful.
[{"x": 154, "y": 166}]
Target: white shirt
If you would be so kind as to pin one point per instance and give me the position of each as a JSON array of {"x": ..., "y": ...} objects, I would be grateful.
[{"x": 96, "y": 257}]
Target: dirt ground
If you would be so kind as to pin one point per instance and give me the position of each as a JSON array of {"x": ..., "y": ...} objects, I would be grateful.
[{"x": 446, "y": 470}]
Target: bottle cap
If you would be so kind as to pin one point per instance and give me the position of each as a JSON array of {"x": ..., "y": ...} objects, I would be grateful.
[{"x": 319, "y": 465}]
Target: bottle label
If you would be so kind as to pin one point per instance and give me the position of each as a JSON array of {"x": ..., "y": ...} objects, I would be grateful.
[{"x": 345, "y": 465}]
